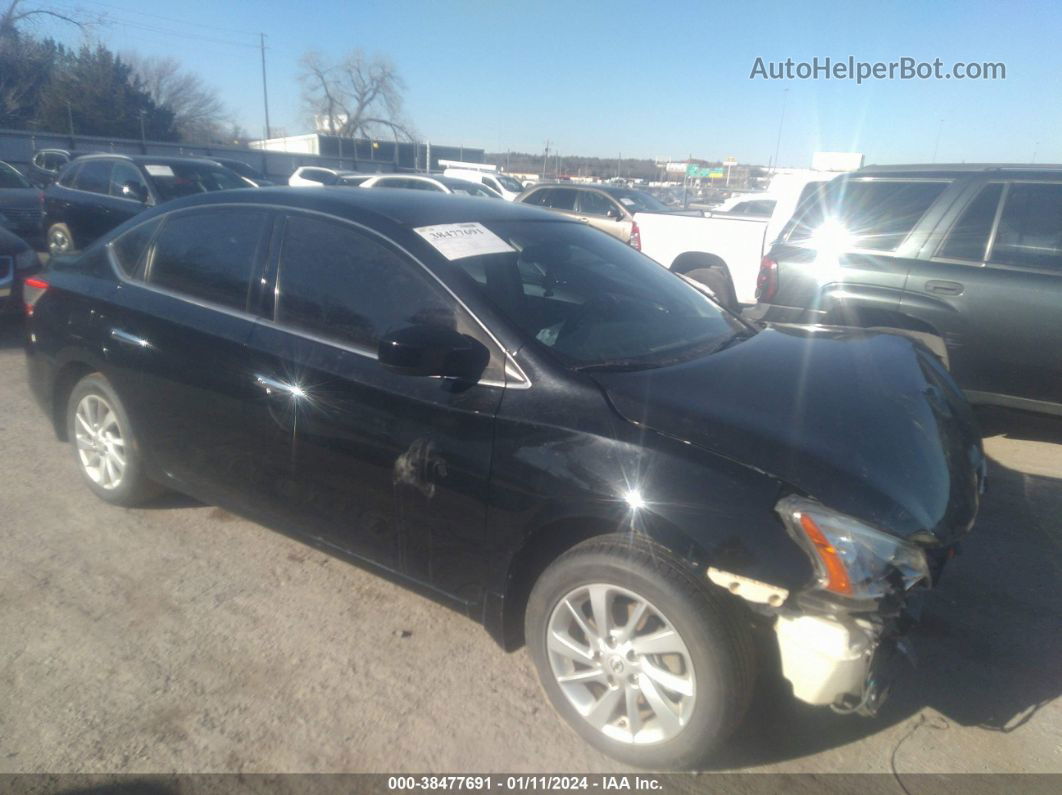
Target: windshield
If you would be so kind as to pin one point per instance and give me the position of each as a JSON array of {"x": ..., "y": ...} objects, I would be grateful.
[
  {"x": 173, "y": 180},
  {"x": 9, "y": 178},
  {"x": 509, "y": 183},
  {"x": 636, "y": 201},
  {"x": 592, "y": 299},
  {"x": 464, "y": 188}
]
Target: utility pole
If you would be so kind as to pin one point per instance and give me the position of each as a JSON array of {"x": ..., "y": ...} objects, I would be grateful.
[
  {"x": 265, "y": 92},
  {"x": 545, "y": 161},
  {"x": 70, "y": 118},
  {"x": 143, "y": 137},
  {"x": 781, "y": 121},
  {"x": 940, "y": 129}
]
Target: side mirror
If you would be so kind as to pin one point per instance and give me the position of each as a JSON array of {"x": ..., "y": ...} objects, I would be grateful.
[{"x": 433, "y": 351}]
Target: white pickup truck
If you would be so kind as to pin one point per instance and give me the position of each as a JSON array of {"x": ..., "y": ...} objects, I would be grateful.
[{"x": 723, "y": 248}]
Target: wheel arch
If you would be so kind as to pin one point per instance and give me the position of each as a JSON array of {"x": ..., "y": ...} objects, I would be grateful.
[
  {"x": 692, "y": 260},
  {"x": 66, "y": 378},
  {"x": 504, "y": 612}
]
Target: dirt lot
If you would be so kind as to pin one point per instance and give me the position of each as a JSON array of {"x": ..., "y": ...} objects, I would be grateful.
[{"x": 182, "y": 638}]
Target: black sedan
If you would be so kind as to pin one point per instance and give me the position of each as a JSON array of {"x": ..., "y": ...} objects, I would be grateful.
[{"x": 530, "y": 421}]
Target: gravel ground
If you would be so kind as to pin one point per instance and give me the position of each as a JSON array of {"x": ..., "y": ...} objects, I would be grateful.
[{"x": 181, "y": 638}]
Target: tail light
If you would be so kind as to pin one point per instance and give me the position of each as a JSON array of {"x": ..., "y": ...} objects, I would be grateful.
[
  {"x": 636, "y": 236},
  {"x": 767, "y": 280},
  {"x": 32, "y": 290}
]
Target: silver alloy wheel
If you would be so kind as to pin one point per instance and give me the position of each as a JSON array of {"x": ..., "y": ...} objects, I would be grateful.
[
  {"x": 621, "y": 664},
  {"x": 100, "y": 444},
  {"x": 58, "y": 241}
]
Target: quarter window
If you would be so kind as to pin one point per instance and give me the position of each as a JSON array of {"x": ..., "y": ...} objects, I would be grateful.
[
  {"x": 209, "y": 255},
  {"x": 1030, "y": 228},
  {"x": 969, "y": 237},
  {"x": 130, "y": 249},
  {"x": 868, "y": 214}
]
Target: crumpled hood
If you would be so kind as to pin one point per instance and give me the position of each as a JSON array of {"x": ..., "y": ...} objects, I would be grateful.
[{"x": 868, "y": 423}]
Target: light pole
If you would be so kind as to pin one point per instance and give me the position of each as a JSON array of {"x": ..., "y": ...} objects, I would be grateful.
[{"x": 781, "y": 121}]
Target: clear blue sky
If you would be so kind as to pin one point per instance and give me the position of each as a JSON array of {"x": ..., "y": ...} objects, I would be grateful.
[{"x": 601, "y": 77}]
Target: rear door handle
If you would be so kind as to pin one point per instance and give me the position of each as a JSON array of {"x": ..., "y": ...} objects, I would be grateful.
[
  {"x": 273, "y": 386},
  {"x": 129, "y": 339},
  {"x": 943, "y": 288}
]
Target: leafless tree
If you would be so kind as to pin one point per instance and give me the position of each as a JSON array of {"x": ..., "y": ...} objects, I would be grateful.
[
  {"x": 357, "y": 96},
  {"x": 199, "y": 114},
  {"x": 17, "y": 13}
]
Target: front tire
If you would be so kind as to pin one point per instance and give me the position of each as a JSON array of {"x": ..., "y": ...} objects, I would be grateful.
[
  {"x": 641, "y": 658},
  {"x": 105, "y": 447}
]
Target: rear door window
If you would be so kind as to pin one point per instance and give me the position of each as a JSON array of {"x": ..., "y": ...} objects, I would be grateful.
[
  {"x": 865, "y": 214},
  {"x": 968, "y": 239},
  {"x": 561, "y": 199},
  {"x": 1030, "y": 228},
  {"x": 209, "y": 255},
  {"x": 95, "y": 176}
]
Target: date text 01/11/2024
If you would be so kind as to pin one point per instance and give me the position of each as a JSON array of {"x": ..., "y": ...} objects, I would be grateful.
[{"x": 541, "y": 783}]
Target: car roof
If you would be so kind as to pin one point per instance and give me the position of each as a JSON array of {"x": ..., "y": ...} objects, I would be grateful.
[
  {"x": 402, "y": 207},
  {"x": 924, "y": 170},
  {"x": 612, "y": 190},
  {"x": 162, "y": 160}
]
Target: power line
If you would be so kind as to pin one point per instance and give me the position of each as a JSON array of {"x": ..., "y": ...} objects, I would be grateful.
[{"x": 127, "y": 10}]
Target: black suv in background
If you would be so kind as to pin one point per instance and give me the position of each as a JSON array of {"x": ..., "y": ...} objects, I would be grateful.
[
  {"x": 970, "y": 253},
  {"x": 96, "y": 193}
]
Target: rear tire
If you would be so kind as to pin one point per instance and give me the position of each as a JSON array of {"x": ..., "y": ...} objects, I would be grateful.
[
  {"x": 716, "y": 281},
  {"x": 60, "y": 239},
  {"x": 105, "y": 446},
  {"x": 671, "y": 674}
]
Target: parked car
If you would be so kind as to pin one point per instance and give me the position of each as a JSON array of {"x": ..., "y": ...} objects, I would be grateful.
[
  {"x": 96, "y": 193},
  {"x": 248, "y": 172},
  {"x": 21, "y": 205},
  {"x": 505, "y": 186},
  {"x": 610, "y": 208},
  {"x": 18, "y": 261},
  {"x": 316, "y": 176},
  {"x": 971, "y": 254},
  {"x": 436, "y": 183},
  {"x": 46, "y": 165},
  {"x": 532, "y": 422}
]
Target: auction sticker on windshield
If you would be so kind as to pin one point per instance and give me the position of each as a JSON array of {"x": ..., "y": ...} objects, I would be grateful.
[
  {"x": 457, "y": 241},
  {"x": 158, "y": 170}
]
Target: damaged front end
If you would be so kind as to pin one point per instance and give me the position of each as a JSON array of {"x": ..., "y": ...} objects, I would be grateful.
[{"x": 841, "y": 640}]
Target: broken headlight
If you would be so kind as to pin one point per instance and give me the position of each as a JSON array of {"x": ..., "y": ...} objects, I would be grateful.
[{"x": 850, "y": 557}]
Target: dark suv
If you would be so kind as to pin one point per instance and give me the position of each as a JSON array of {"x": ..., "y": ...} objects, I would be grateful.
[
  {"x": 96, "y": 193},
  {"x": 971, "y": 254}
]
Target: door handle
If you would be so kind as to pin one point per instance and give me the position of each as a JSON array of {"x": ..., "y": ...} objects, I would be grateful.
[
  {"x": 129, "y": 339},
  {"x": 273, "y": 386},
  {"x": 944, "y": 288}
]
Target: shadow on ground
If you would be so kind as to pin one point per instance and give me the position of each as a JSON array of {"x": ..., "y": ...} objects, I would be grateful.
[{"x": 988, "y": 642}]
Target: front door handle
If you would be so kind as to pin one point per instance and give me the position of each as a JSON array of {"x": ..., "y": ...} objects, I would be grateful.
[
  {"x": 943, "y": 288},
  {"x": 274, "y": 387},
  {"x": 129, "y": 339}
]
